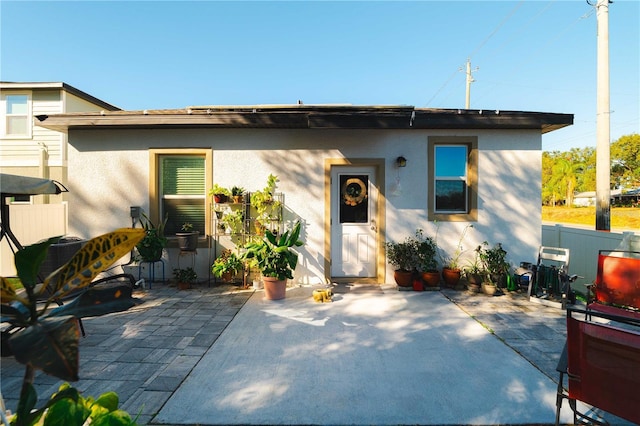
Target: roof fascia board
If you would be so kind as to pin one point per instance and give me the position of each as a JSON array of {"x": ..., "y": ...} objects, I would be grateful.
[{"x": 316, "y": 118}]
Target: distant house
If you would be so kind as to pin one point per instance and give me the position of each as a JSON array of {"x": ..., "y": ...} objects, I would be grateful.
[
  {"x": 35, "y": 151},
  {"x": 433, "y": 169},
  {"x": 618, "y": 197}
]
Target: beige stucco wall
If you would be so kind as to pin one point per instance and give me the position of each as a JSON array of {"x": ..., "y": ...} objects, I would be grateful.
[{"x": 108, "y": 173}]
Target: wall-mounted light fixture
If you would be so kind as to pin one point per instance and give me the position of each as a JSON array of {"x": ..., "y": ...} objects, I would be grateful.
[{"x": 401, "y": 162}]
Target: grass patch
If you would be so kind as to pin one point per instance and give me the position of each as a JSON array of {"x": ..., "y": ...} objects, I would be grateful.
[{"x": 625, "y": 218}]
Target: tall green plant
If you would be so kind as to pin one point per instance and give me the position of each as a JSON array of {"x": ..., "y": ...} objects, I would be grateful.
[
  {"x": 48, "y": 339},
  {"x": 273, "y": 255}
]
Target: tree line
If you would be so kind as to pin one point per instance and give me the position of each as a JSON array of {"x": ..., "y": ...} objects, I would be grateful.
[{"x": 567, "y": 173}]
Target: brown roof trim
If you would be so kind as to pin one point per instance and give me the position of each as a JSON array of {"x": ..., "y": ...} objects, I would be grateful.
[{"x": 309, "y": 117}]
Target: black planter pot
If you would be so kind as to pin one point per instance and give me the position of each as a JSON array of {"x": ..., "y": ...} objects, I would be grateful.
[{"x": 187, "y": 241}]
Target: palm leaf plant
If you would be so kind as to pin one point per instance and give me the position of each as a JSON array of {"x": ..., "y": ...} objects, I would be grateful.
[{"x": 48, "y": 339}]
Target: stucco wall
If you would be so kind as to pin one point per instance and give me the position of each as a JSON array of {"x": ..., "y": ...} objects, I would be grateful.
[{"x": 108, "y": 173}]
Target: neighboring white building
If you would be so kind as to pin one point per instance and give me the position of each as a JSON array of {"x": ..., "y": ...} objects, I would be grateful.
[
  {"x": 462, "y": 167},
  {"x": 35, "y": 151}
]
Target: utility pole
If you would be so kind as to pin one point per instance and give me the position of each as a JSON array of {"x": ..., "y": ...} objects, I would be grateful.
[
  {"x": 603, "y": 117},
  {"x": 470, "y": 80}
]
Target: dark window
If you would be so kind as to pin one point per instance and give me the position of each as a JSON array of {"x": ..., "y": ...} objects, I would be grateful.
[{"x": 354, "y": 196}]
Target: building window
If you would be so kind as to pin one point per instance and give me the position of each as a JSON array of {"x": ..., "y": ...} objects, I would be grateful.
[
  {"x": 180, "y": 188},
  {"x": 18, "y": 117},
  {"x": 452, "y": 178}
]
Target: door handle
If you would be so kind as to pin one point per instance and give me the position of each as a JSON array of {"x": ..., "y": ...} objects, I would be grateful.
[{"x": 373, "y": 225}]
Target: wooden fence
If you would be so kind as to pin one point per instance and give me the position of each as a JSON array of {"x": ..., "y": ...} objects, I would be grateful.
[{"x": 584, "y": 245}]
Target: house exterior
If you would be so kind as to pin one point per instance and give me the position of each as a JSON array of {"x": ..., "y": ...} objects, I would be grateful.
[
  {"x": 30, "y": 150},
  {"x": 36, "y": 151},
  {"x": 618, "y": 197},
  {"x": 401, "y": 168}
]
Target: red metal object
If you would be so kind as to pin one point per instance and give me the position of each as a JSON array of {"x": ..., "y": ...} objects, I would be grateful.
[
  {"x": 618, "y": 279},
  {"x": 604, "y": 366},
  {"x": 602, "y": 358}
]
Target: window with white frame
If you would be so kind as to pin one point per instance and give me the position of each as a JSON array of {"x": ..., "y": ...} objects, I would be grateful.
[
  {"x": 452, "y": 178},
  {"x": 17, "y": 115},
  {"x": 182, "y": 191}
]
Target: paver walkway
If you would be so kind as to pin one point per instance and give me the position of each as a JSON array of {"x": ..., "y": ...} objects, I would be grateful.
[
  {"x": 143, "y": 354},
  {"x": 147, "y": 353}
]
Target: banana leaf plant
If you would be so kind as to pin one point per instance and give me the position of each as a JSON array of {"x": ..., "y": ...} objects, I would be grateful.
[
  {"x": 46, "y": 338},
  {"x": 273, "y": 255}
]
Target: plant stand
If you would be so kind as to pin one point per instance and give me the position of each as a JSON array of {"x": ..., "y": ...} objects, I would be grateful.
[{"x": 152, "y": 270}]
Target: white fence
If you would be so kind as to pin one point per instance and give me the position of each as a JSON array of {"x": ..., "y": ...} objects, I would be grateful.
[
  {"x": 584, "y": 245},
  {"x": 31, "y": 223}
]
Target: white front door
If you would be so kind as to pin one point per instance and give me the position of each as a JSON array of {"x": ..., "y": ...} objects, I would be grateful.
[{"x": 354, "y": 230}]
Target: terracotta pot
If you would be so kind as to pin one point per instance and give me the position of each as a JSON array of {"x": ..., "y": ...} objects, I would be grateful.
[
  {"x": 220, "y": 198},
  {"x": 403, "y": 278},
  {"x": 451, "y": 277},
  {"x": 184, "y": 286},
  {"x": 274, "y": 289},
  {"x": 431, "y": 279}
]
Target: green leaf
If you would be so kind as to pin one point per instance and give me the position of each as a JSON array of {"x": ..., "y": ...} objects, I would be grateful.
[
  {"x": 114, "y": 418},
  {"x": 67, "y": 412},
  {"x": 108, "y": 400},
  {"x": 96, "y": 301},
  {"x": 29, "y": 259},
  {"x": 50, "y": 345},
  {"x": 94, "y": 257}
]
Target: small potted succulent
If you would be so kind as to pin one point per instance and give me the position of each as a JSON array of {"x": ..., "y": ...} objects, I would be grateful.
[
  {"x": 187, "y": 238},
  {"x": 237, "y": 194},
  {"x": 220, "y": 194}
]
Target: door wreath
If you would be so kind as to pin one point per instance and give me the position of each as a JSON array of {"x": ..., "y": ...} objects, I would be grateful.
[{"x": 354, "y": 191}]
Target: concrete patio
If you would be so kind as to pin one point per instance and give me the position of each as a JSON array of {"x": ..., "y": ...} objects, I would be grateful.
[{"x": 375, "y": 355}]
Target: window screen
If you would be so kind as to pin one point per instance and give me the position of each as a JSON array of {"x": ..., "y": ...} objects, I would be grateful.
[{"x": 182, "y": 191}]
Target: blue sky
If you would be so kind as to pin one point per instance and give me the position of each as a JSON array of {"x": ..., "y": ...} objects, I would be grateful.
[{"x": 532, "y": 55}]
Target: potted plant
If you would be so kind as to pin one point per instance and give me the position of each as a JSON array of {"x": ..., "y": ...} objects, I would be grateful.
[
  {"x": 220, "y": 194},
  {"x": 188, "y": 238},
  {"x": 151, "y": 247},
  {"x": 404, "y": 257},
  {"x": 451, "y": 270},
  {"x": 495, "y": 265},
  {"x": 185, "y": 277},
  {"x": 474, "y": 272},
  {"x": 427, "y": 250},
  {"x": 275, "y": 259},
  {"x": 237, "y": 193},
  {"x": 227, "y": 265},
  {"x": 267, "y": 207}
]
